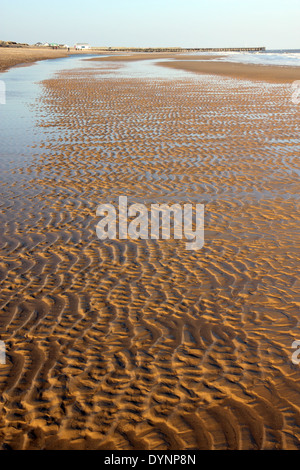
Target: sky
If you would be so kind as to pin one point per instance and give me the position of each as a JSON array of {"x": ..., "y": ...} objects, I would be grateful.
[{"x": 274, "y": 24}]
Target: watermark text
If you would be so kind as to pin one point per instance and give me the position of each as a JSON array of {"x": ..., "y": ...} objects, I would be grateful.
[{"x": 137, "y": 222}]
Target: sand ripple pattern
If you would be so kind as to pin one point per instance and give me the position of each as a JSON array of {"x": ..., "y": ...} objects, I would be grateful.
[{"x": 142, "y": 344}]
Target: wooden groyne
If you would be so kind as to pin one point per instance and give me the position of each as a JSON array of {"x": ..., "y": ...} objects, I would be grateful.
[{"x": 180, "y": 49}]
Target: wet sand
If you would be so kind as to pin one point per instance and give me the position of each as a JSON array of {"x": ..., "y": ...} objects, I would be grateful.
[
  {"x": 272, "y": 74},
  {"x": 207, "y": 64},
  {"x": 130, "y": 57},
  {"x": 11, "y": 57},
  {"x": 143, "y": 344}
]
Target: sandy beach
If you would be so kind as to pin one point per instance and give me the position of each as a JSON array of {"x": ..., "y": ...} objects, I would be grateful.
[
  {"x": 268, "y": 73},
  {"x": 131, "y": 57},
  {"x": 10, "y": 56},
  {"x": 141, "y": 344},
  {"x": 13, "y": 56},
  {"x": 207, "y": 64}
]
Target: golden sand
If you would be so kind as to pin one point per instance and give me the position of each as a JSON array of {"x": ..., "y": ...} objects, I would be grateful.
[
  {"x": 130, "y": 57},
  {"x": 10, "y": 56},
  {"x": 206, "y": 64},
  {"x": 272, "y": 74},
  {"x": 143, "y": 344}
]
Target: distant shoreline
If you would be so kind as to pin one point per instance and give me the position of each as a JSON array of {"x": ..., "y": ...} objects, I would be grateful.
[
  {"x": 18, "y": 56},
  {"x": 181, "y": 49},
  {"x": 12, "y": 55},
  {"x": 23, "y": 55}
]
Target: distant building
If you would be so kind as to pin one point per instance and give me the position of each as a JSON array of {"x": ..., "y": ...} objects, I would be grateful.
[{"x": 81, "y": 46}]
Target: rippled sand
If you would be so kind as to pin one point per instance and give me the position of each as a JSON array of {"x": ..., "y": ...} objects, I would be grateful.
[{"x": 143, "y": 344}]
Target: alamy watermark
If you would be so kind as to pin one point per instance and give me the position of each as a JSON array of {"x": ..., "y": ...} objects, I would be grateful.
[
  {"x": 137, "y": 222},
  {"x": 296, "y": 92},
  {"x": 2, "y": 353},
  {"x": 296, "y": 354},
  {"x": 2, "y": 92}
]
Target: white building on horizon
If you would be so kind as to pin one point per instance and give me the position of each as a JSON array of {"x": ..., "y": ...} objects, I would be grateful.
[{"x": 82, "y": 45}]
